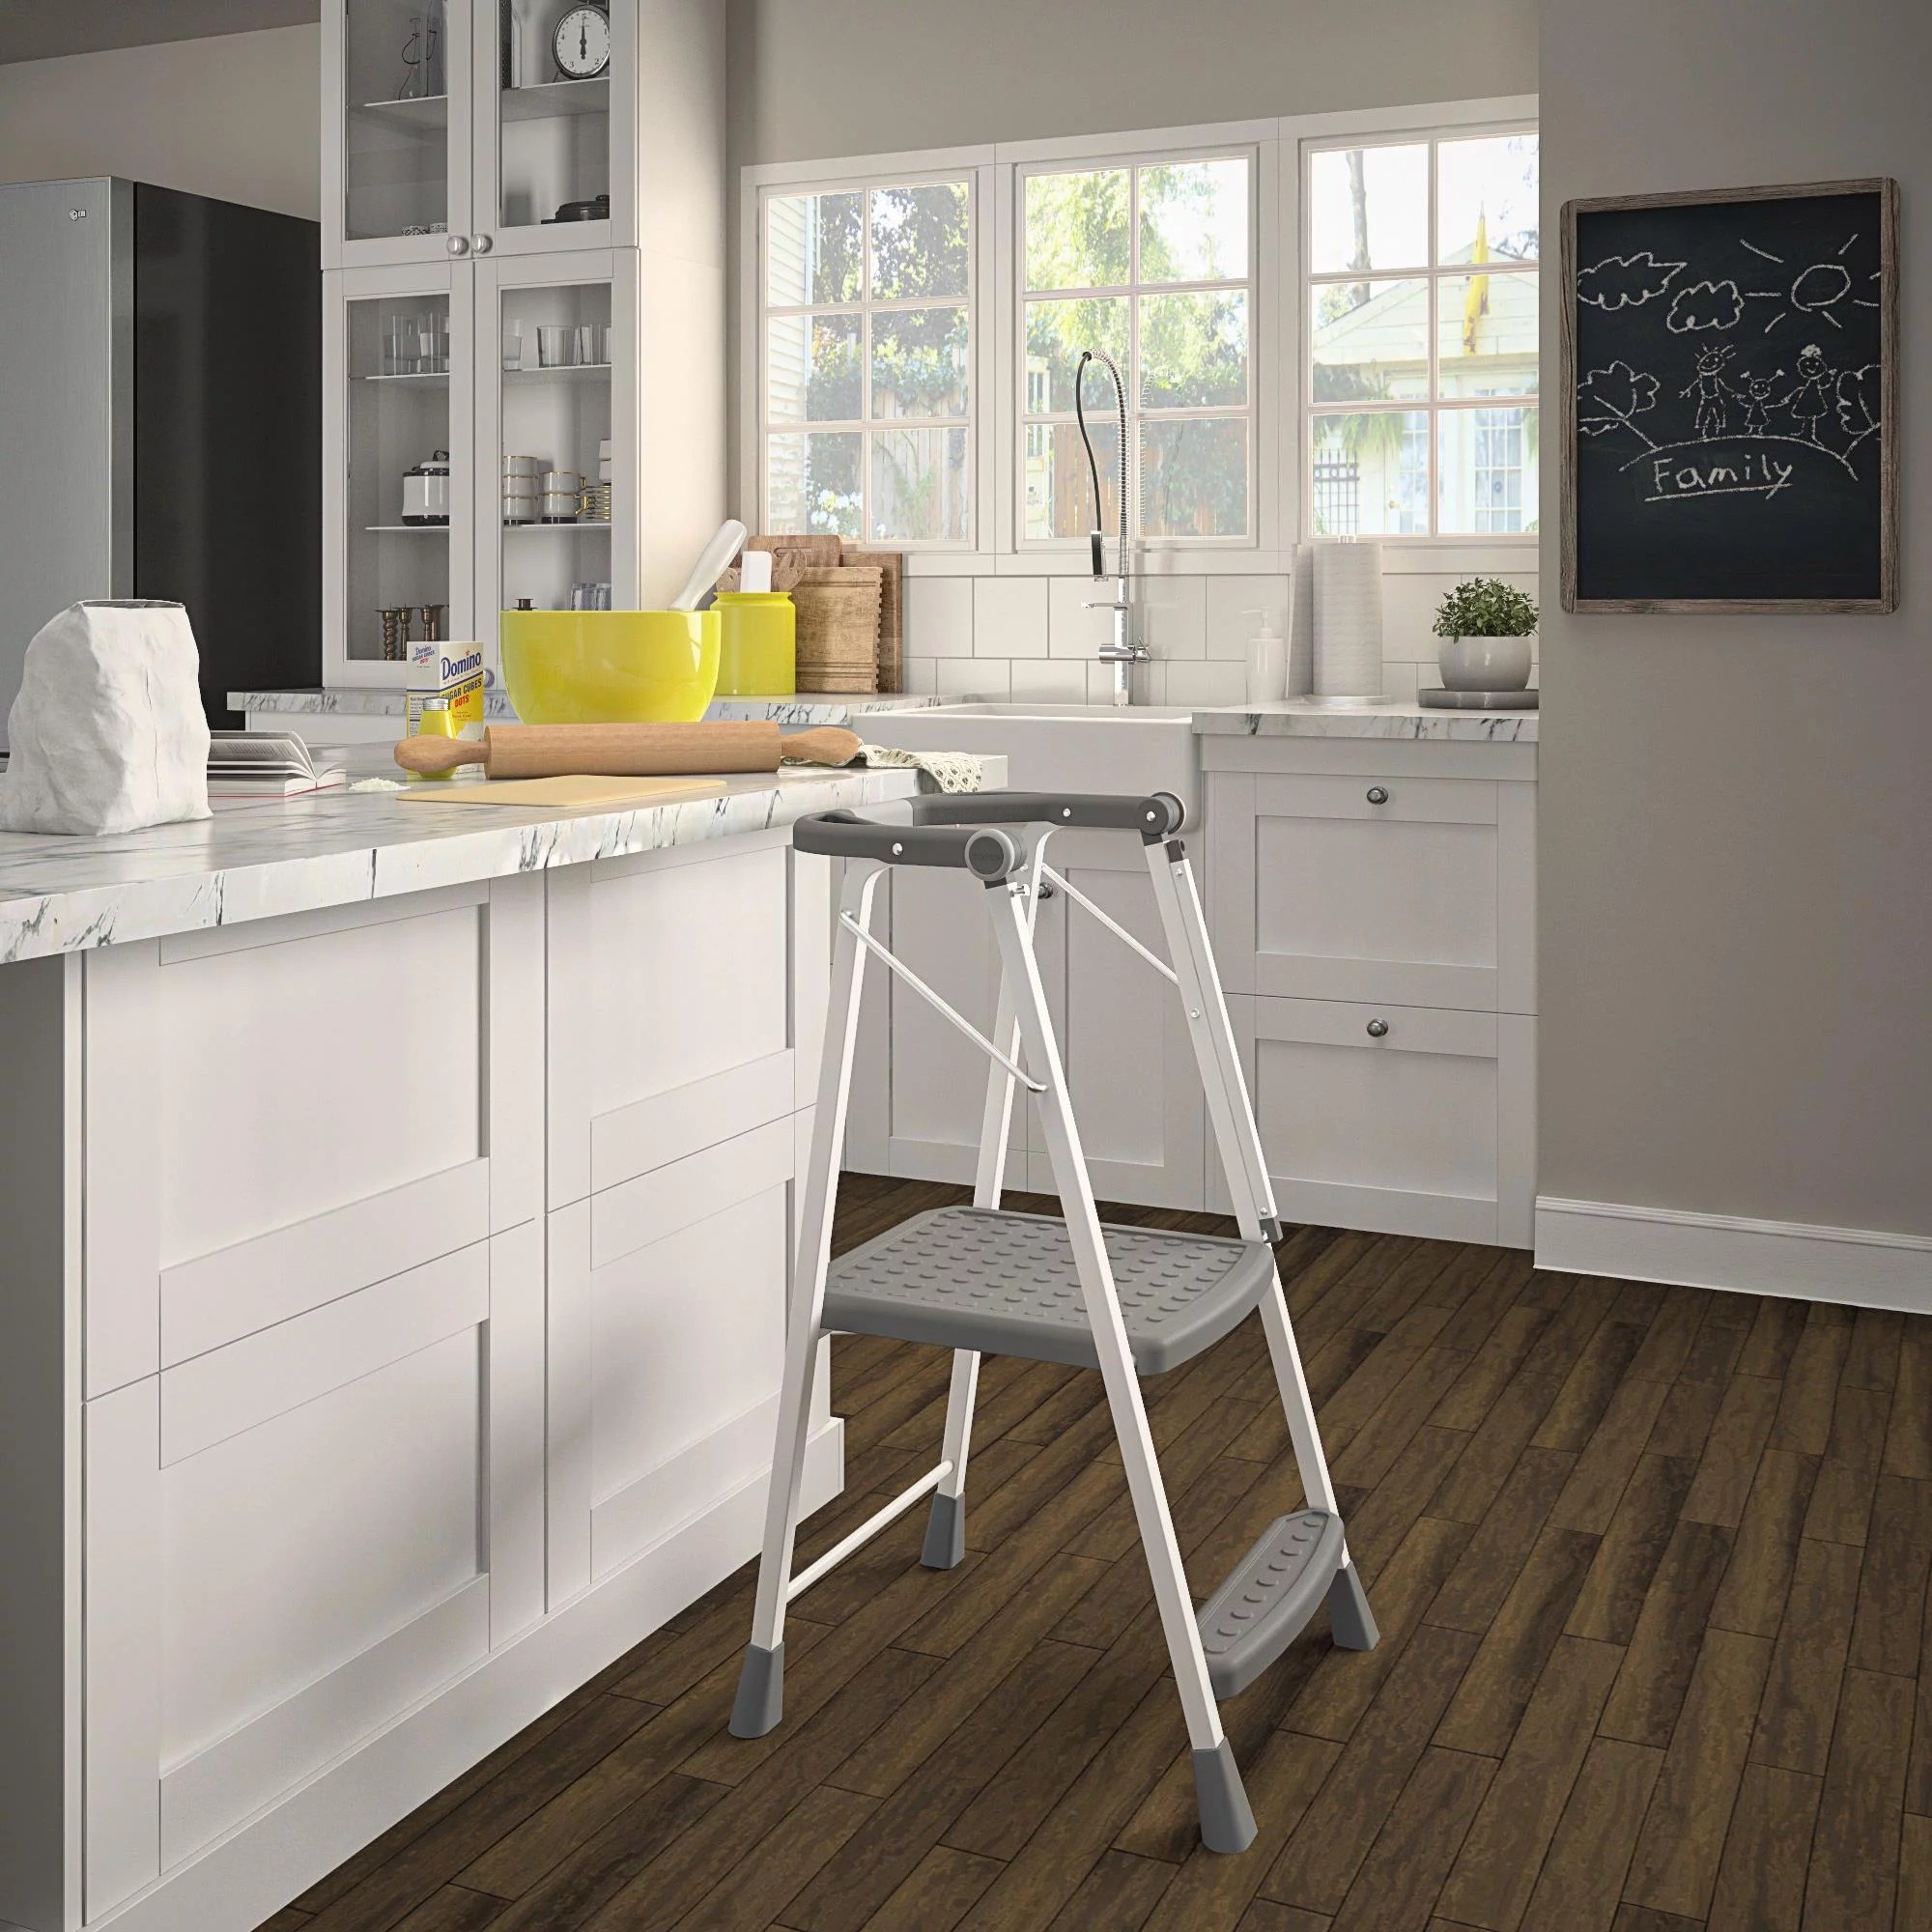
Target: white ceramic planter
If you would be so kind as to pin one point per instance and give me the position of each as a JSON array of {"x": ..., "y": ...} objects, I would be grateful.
[{"x": 1484, "y": 663}]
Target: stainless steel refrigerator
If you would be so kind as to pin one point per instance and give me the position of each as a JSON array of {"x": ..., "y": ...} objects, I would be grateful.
[{"x": 160, "y": 422}]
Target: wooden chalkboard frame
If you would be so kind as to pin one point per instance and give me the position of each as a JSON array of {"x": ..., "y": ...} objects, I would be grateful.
[{"x": 1887, "y": 601}]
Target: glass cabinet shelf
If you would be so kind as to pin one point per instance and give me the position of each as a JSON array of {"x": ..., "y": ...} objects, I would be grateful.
[
  {"x": 429, "y": 112},
  {"x": 549, "y": 99}
]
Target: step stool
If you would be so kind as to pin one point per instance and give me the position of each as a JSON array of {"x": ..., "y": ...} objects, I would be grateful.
[{"x": 985, "y": 1280}]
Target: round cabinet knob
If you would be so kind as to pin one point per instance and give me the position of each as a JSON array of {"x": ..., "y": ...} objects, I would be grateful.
[
  {"x": 459, "y": 244},
  {"x": 1379, "y": 795},
  {"x": 1378, "y": 1029},
  {"x": 481, "y": 244}
]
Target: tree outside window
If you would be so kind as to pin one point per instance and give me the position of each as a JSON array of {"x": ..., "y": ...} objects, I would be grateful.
[
  {"x": 1422, "y": 331},
  {"x": 868, "y": 362},
  {"x": 1151, "y": 264}
]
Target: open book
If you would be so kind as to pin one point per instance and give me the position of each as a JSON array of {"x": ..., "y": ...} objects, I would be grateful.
[{"x": 265, "y": 764}]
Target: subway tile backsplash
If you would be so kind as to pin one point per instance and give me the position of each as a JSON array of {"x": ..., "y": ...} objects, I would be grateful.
[{"x": 1031, "y": 638}]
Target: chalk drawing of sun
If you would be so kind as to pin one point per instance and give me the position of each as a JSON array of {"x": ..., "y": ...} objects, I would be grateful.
[{"x": 1817, "y": 289}]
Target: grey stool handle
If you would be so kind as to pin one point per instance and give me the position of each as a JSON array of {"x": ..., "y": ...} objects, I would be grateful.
[
  {"x": 983, "y": 850},
  {"x": 960, "y": 829}
]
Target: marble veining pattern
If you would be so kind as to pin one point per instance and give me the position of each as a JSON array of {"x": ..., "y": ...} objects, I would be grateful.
[
  {"x": 807, "y": 707},
  {"x": 258, "y": 859},
  {"x": 1288, "y": 718}
]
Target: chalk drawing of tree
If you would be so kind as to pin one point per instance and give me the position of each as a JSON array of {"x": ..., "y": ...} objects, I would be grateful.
[
  {"x": 1859, "y": 402},
  {"x": 1607, "y": 399}
]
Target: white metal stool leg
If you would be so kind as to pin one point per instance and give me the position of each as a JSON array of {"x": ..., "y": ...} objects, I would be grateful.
[
  {"x": 946, "y": 1528},
  {"x": 1239, "y": 1141},
  {"x": 1227, "y": 1823},
  {"x": 760, "y": 1697}
]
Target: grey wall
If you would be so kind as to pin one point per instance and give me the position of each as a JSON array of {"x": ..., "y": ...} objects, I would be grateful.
[
  {"x": 1735, "y": 863},
  {"x": 821, "y": 77},
  {"x": 236, "y": 115}
]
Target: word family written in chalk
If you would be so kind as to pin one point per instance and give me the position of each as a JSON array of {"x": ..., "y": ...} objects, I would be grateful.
[
  {"x": 1728, "y": 383},
  {"x": 1749, "y": 473}
]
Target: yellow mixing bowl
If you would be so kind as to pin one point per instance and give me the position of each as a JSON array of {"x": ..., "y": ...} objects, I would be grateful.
[{"x": 609, "y": 667}]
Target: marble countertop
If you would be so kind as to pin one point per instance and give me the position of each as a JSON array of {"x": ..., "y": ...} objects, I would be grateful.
[
  {"x": 260, "y": 858},
  {"x": 1296, "y": 718},
  {"x": 805, "y": 707}
]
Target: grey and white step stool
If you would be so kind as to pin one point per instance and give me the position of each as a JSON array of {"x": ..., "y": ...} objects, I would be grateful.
[{"x": 985, "y": 1280}]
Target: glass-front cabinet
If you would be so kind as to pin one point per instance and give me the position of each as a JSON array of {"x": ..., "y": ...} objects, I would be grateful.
[
  {"x": 464, "y": 128},
  {"x": 481, "y": 437}
]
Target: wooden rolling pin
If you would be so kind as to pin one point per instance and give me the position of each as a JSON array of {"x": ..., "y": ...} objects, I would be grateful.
[{"x": 627, "y": 751}]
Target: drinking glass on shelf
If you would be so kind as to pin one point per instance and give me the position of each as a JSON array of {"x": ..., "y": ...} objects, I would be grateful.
[
  {"x": 513, "y": 344},
  {"x": 427, "y": 342},
  {"x": 603, "y": 344},
  {"x": 399, "y": 345},
  {"x": 587, "y": 344},
  {"x": 556, "y": 345}
]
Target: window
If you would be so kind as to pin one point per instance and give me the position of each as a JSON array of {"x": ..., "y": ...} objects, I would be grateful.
[
  {"x": 1153, "y": 263},
  {"x": 1422, "y": 359},
  {"x": 867, "y": 360}
]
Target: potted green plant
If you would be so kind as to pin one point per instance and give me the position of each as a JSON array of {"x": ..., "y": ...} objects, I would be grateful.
[{"x": 1486, "y": 626}]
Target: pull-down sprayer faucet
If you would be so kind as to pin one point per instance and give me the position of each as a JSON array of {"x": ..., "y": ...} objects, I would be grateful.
[{"x": 1123, "y": 653}]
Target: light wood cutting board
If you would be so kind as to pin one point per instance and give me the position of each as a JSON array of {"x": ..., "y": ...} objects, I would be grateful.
[{"x": 566, "y": 792}]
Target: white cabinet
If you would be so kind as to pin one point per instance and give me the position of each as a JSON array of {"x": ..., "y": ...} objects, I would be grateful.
[
  {"x": 687, "y": 1004},
  {"x": 294, "y": 1538},
  {"x": 397, "y": 1305},
  {"x": 463, "y": 315},
  {"x": 429, "y": 149},
  {"x": 386, "y": 416},
  {"x": 918, "y": 1086},
  {"x": 1372, "y": 905},
  {"x": 313, "y": 1441}
]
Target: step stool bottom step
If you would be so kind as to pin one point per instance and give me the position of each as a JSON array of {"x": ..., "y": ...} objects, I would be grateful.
[{"x": 1267, "y": 1603}]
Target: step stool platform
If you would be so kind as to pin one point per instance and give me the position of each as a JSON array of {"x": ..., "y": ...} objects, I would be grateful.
[
  {"x": 1005, "y": 1284},
  {"x": 1270, "y": 1599}
]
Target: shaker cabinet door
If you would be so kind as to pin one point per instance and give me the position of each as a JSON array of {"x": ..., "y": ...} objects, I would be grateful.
[{"x": 293, "y": 1539}]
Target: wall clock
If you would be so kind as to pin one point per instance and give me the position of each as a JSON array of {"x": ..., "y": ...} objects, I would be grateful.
[{"x": 582, "y": 43}]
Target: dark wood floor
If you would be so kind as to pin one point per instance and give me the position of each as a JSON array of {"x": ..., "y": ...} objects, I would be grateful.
[{"x": 1651, "y": 1568}]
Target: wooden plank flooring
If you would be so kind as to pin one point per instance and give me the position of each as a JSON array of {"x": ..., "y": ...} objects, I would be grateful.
[{"x": 1650, "y": 1566}]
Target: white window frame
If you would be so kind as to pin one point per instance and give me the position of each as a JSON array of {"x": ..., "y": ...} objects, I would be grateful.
[
  {"x": 1279, "y": 449},
  {"x": 1132, "y": 162},
  {"x": 859, "y": 176},
  {"x": 1356, "y": 132}
]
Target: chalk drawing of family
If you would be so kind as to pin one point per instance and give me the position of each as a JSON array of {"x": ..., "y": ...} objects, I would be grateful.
[{"x": 1809, "y": 402}]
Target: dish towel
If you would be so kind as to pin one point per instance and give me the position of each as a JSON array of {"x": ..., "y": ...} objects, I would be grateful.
[{"x": 949, "y": 771}]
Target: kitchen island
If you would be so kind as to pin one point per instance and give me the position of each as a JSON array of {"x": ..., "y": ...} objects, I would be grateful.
[{"x": 400, "y": 1203}]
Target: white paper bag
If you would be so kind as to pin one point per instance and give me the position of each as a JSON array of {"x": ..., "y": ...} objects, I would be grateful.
[{"x": 107, "y": 733}]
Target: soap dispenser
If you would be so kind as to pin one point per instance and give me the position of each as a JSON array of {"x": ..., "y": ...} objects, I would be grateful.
[{"x": 1267, "y": 661}]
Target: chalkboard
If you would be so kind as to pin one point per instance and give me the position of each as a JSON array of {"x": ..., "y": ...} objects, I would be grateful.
[{"x": 1730, "y": 386}]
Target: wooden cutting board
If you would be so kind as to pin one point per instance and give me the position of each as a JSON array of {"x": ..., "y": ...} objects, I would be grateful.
[{"x": 578, "y": 793}]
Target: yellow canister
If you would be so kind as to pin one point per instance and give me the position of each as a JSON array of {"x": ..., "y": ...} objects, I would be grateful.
[
  {"x": 437, "y": 719},
  {"x": 757, "y": 655}
]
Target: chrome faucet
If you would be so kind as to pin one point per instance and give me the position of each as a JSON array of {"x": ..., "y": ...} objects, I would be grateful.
[{"x": 1123, "y": 652}]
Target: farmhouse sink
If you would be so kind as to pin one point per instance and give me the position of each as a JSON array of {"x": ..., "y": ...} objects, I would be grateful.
[{"x": 1096, "y": 748}]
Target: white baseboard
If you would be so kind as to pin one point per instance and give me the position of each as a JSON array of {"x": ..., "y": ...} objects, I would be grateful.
[
  {"x": 276, "y": 1855},
  {"x": 1859, "y": 1265}
]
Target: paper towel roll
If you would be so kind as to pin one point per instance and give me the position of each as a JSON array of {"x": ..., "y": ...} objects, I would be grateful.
[
  {"x": 1302, "y": 622},
  {"x": 1348, "y": 619}
]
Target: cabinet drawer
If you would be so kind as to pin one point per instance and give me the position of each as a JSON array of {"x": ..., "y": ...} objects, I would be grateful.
[
  {"x": 667, "y": 1309},
  {"x": 1416, "y": 891},
  {"x": 293, "y": 1539},
  {"x": 237, "y": 1176},
  {"x": 675, "y": 1008},
  {"x": 1406, "y": 1120}
]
